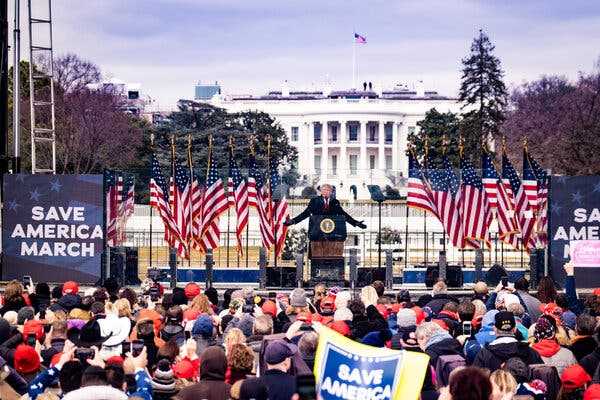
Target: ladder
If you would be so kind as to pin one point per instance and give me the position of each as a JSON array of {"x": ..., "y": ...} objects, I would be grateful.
[{"x": 41, "y": 90}]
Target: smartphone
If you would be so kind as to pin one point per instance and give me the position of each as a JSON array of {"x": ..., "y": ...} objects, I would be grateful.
[
  {"x": 504, "y": 281},
  {"x": 466, "y": 328},
  {"x": 42, "y": 312},
  {"x": 125, "y": 347},
  {"x": 136, "y": 347},
  {"x": 306, "y": 387},
  {"x": 27, "y": 281},
  {"x": 83, "y": 354},
  {"x": 31, "y": 339}
]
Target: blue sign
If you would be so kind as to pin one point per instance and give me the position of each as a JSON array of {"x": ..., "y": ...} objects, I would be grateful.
[
  {"x": 574, "y": 214},
  {"x": 348, "y": 370},
  {"x": 52, "y": 227}
]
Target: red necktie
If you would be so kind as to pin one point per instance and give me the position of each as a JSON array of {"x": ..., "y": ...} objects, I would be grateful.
[{"x": 326, "y": 204}]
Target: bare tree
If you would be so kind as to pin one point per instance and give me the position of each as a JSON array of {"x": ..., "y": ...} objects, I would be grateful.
[{"x": 72, "y": 73}]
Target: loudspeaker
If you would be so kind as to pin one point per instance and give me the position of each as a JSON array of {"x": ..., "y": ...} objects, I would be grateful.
[
  {"x": 281, "y": 277},
  {"x": 366, "y": 276},
  {"x": 494, "y": 274},
  {"x": 536, "y": 266},
  {"x": 131, "y": 266},
  {"x": 117, "y": 264},
  {"x": 454, "y": 276},
  {"x": 329, "y": 271}
]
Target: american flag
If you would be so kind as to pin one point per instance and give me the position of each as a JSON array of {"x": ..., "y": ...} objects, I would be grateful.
[
  {"x": 111, "y": 185},
  {"x": 444, "y": 187},
  {"x": 474, "y": 209},
  {"x": 159, "y": 199},
  {"x": 181, "y": 208},
  {"x": 503, "y": 204},
  {"x": 541, "y": 226},
  {"x": 126, "y": 200},
  {"x": 238, "y": 198},
  {"x": 258, "y": 198},
  {"x": 196, "y": 214},
  {"x": 214, "y": 203},
  {"x": 419, "y": 195},
  {"x": 279, "y": 208}
]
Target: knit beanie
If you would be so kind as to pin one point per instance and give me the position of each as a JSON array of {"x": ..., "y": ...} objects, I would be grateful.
[
  {"x": 342, "y": 314},
  {"x": 406, "y": 317},
  {"x": 163, "y": 381},
  {"x": 298, "y": 298},
  {"x": 545, "y": 328}
]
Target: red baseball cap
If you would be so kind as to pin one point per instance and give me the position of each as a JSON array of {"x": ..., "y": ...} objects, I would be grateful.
[
  {"x": 33, "y": 326},
  {"x": 191, "y": 290},
  {"x": 115, "y": 360},
  {"x": 574, "y": 377},
  {"x": 592, "y": 392},
  {"x": 70, "y": 287},
  {"x": 596, "y": 292},
  {"x": 190, "y": 315},
  {"x": 27, "y": 360},
  {"x": 269, "y": 307}
]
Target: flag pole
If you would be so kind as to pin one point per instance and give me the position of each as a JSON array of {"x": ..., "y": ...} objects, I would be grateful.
[
  {"x": 354, "y": 62},
  {"x": 248, "y": 224},
  {"x": 172, "y": 251},
  {"x": 151, "y": 233},
  {"x": 229, "y": 205},
  {"x": 406, "y": 227},
  {"x": 425, "y": 244},
  {"x": 190, "y": 194},
  {"x": 444, "y": 150}
]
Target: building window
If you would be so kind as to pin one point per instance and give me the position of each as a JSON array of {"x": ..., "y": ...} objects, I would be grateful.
[
  {"x": 318, "y": 164},
  {"x": 294, "y": 133},
  {"x": 371, "y": 161},
  {"x": 317, "y": 133},
  {"x": 388, "y": 162},
  {"x": 353, "y": 163},
  {"x": 334, "y": 164},
  {"x": 372, "y": 133},
  {"x": 353, "y": 133},
  {"x": 334, "y": 134},
  {"x": 389, "y": 133}
]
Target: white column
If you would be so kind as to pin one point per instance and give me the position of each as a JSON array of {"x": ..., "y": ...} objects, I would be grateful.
[
  {"x": 343, "y": 166},
  {"x": 324, "y": 151},
  {"x": 363, "y": 148},
  {"x": 310, "y": 146},
  {"x": 403, "y": 144},
  {"x": 381, "y": 146},
  {"x": 395, "y": 150}
]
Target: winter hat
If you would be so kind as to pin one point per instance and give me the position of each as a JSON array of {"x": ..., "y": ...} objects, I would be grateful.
[
  {"x": 245, "y": 324},
  {"x": 545, "y": 328},
  {"x": 551, "y": 309},
  {"x": 27, "y": 360},
  {"x": 342, "y": 299},
  {"x": 333, "y": 291},
  {"x": 340, "y": 327},
  {"x": 269, "y": 307},
  {"x": 24, "y": 314},
  {"x": 70, "y": 287},
  {"x": 507, "y": 299},
  {"x": 35, "y": 327},
  {"x": 574, "y": 377},
  {"x": 406, "y": 317},
  {"x": 592, "y": 392},
  {"x": 403, "y": 296},
  {"x": 11, "y": 317},
  {"x": 569, "y": 319},
  {"x": 163, "y": 380},
  {"x": 191, "y": 290},
  {"x": 203, "y": 326},
  {"x": 184, "y": 369},
  {"x": 298, "y": 298},
  {"x": 518, "y": 369},
  {"x": 115, "y": 360},
  {"x": 342, "y": 314}
]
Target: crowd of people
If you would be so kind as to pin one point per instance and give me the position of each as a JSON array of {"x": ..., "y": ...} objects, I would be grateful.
[{"x": 112, "y": 342}]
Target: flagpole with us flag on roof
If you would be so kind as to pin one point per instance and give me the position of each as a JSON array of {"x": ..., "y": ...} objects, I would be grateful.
[{"x": 358, "y": 39}]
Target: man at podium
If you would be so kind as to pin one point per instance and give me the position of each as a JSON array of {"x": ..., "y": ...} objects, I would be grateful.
[{"x": 325, "y": 205}]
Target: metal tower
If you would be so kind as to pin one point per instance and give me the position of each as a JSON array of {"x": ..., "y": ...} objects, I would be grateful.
[{"x": 41, "y": 90}]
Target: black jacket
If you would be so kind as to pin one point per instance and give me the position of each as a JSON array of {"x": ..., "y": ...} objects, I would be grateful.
[
  {"x": 584, "y": 346},
  {"x": 316, "y": 206},
  {"x": 280, "y": 385},
  {"x": 446, "y": 347},
  {"x": 591, "y": 362},
  {"x": 492, "y": 356},
  {"x": 438, "y": 302}
]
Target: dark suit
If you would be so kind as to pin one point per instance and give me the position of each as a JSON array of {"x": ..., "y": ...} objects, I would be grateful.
[{"x": 317, "y": 206}]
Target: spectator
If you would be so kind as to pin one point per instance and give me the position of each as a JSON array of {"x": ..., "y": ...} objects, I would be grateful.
[
  {"x": 505, "y": 346},
  {"x": 592, "y": 361},
  {"x": 436, "y": 342},
  {"x": 584, "y": 343},
  {"x": 504, "y": 385},
  {"x": 307, "y": 346},
  {"x": 574, "y": 381},
  {"x": 163, "y": 381},
  {"x": 212, "y": 385},
  {"x": 480, "y": 291},
  {"x": 405, "y": 337},
  {"x": 546, "y": 292},
  {"x": 40, "y": 299},
  {"x": 240, "y": 362},
  {"x": 469, "y": 384},
  {"x": 204, "y": 333},
  {"x": 13, "y": 297},
  {"x": 531, "y": 303},
  {"x": 369, "y": 296},
  {"x": 439, "y": 298},
  {"x": 548, "y": 347},
  {"x": 521, "y": 372},
  {"x": 379, "y": 287},
  {"x": 281, "y": 385}
]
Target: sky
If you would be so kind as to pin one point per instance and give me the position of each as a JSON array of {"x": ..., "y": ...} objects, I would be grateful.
[{"x": 252, "y": 46}]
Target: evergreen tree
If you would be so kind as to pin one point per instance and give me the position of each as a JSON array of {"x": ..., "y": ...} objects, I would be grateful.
[
  {"x": 483, "y": 93},
  {"x": 435, "y": 127}
]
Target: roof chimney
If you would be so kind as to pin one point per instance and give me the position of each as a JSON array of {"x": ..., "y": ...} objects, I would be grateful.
[
  {"x": 420, "y": 89},
  {"x": 285, "y": 89}
]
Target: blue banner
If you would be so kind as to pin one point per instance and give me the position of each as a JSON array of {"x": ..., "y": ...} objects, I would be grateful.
[
  {"x": 574, "y": 214},
  {"x": 52, "y": 227}
]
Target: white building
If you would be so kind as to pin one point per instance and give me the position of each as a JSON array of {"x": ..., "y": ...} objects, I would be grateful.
[{"x": 348, "y": 138}]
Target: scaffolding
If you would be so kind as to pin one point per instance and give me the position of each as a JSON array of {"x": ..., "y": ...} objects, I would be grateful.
[{"x": 41, "y": 89}]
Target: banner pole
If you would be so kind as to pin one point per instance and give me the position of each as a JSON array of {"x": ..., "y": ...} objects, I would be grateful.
[
  {"x": 406, "y": 238},
  {"x": 149, "y": 201}
]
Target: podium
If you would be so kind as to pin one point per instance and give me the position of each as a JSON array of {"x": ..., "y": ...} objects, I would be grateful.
[{"x": 327, "y": 234}]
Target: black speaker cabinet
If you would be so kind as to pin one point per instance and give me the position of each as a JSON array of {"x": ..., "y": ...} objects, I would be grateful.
[
  {"x": 454, "y": 276},
  {"x": 131, "y": 266},
  {"x": 329, "y": 271},
  {"x": 281, "y": 277},
  {"x": 366, "y": 276},
  {"x": 494, "y": 274},
  {"x": 117, "y": 264}
]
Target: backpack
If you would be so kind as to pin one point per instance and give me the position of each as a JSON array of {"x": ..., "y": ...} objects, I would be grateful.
[
  {"x": 445, "y": 365},
  {"x": 549, "y": 375}
]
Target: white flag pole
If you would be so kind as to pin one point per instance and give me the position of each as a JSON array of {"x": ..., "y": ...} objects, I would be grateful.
[{"x": 353, "y": 61}]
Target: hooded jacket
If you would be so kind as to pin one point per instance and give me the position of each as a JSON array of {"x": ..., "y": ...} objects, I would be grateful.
[
  {"x": 553, "y": 354},
  {"x": 581, "y": 346},
  {"x": 494, "y": 354},
  {"x": 438, "y": 302},
  {"x": 212, "y": 384},
  {"x": 442, "y": 344}
]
